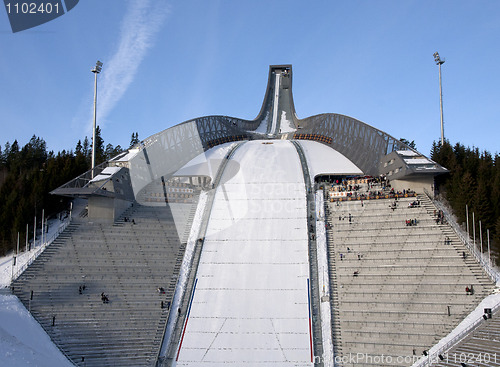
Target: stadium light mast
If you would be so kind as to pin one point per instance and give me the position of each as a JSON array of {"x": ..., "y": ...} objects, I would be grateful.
[
  {"x": 439, "y": 62},
  {"x": 96, "y": 70}
]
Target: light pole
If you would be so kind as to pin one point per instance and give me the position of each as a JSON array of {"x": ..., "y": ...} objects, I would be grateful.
[
  {"x": 439, "y": 62},
  {"x": 96, "y": 70}
]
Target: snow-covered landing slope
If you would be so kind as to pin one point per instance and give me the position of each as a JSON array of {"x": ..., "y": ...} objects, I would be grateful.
[
  {"x": 250, "y": 304},
  {"x": 23, "y": 342}
]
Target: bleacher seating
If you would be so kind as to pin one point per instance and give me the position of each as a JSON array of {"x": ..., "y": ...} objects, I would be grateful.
[
  {"x": 479, "y": 349},
  {"x": 128, "y": 261},
  {"x": 397, "y": 288}
]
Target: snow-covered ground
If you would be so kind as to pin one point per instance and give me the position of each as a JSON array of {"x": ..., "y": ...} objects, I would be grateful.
[
  {"x": 23, "y": 342},
  {"x": 286, "y": 126},
  {"x": 324, "y": 282},
  {"x": 184, "y": 272},
  {"x": 275, "y": 104},
  {"x": 250, "y": 301},
  {"x": 262, "y": 129}
]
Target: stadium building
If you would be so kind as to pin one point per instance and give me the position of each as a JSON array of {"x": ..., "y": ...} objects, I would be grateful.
[{"x": 272, "y": 242}]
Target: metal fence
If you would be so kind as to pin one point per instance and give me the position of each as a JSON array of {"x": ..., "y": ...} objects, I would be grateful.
[
  {"x": 40, "y": 249},
  {"x": 435, "y": 356},
  {"x": 488, "y": 268}
]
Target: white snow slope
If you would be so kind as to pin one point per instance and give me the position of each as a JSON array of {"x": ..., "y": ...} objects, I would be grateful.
[
  {"x": 250, "y": 303},
  {"x": 23, "y": 342}
]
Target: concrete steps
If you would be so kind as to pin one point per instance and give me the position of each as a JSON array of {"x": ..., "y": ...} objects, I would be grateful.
[
  {"x": 398, "y": 288},
  {"x": 127, "y": 261}
]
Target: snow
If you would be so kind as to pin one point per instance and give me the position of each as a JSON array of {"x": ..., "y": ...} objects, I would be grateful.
[
  {"x": 127, "y": 157},
  {"x": 323, "y": 160},
  {"x": 262, "y": 129},
  {"x": 286, "y": 126},
  {"x": 184, "y": 271},
  {"x": 426, "y": 168},
  {"x": 275, "y": 104},
  {"x": 324, "y": 282},
  {"x": 250, "y": 304},
  {"x": 407, "y": 153},
  {"x": 23, "y": 342},
  {"x": 106, "y": 174},
  {"x": 207, "y": 163},
  {"x": 418, "y": 161}
]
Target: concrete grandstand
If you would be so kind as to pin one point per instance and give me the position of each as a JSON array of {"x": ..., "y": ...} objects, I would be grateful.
[{"x": 272, "y": 242}]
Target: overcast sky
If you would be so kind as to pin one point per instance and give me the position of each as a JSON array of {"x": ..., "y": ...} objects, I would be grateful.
[{"x": 166, "y": 62}]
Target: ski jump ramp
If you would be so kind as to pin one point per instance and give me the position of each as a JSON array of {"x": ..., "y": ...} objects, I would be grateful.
[
  {"x": 250, "y": 301},
  {"x": 255, "y": 281}
]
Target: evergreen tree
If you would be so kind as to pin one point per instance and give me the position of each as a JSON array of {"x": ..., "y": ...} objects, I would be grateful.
[
  {"x": 12, "y": 156},
  {"x": 86, "y": 149},
  {"x": 496, "y": 233},
  {"x": 411, "y": 144},
  {"x": 134, "y": 139},
  {"x": 99, "y": 147},
  {"x": 79, "y": 148},
  {"x": 34, "y": 154},
  {"x": 5, "y": 153},
  {"x": 473, "y": 180},
  {"x": 112, "y": 152}
]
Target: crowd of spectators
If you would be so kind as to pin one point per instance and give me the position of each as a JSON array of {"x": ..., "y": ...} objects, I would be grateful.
[{"x": 364, "y": 188}]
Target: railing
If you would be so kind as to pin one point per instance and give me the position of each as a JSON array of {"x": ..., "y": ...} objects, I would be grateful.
[
  {"x": 84, "y": 179},
  {"x": 434, "y": 356},
  {"x": 42, "y": 247},
  {"x": 492, "y": 273}
]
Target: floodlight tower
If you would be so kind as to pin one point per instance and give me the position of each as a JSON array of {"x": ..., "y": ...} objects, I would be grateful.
[
  {"x": 96, "y": 70},
  {"x": 439, "y": 62}
]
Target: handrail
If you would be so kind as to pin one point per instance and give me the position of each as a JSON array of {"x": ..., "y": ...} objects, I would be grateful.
[
  {"x": 42, "y": 247},
  {"x": 84, "y": 179},
  {"x": 492, "y": 273},
  {"x": 434, "y": 356}
]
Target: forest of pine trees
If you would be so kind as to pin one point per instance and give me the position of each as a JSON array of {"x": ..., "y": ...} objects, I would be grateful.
[
  {"x": 29, "y": 173},
  {"x": 473, "y": 181}
]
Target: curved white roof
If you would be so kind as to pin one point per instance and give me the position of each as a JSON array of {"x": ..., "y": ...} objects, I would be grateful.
[
  {"x": 207, "y": 163},
  {"x": 323, "y": 160}
]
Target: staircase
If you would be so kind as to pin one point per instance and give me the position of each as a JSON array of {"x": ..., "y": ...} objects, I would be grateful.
[
  {"x": 396, "y": 289},
  {"x": 128, "y": 261}
]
